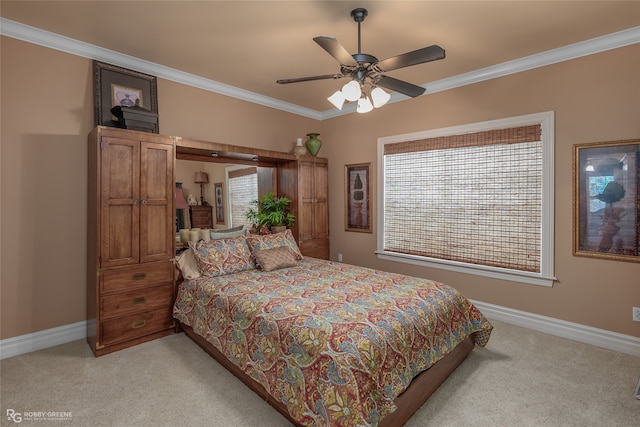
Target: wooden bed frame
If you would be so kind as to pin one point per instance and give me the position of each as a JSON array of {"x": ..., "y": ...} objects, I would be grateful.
[{"x": 420, "y": 389}]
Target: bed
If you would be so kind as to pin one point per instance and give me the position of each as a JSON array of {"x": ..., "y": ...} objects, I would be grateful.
[{"x": 325, "y": 343}]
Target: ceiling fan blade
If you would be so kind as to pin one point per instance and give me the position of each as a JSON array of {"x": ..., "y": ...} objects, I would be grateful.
[
  {"x": 335, "y": 49},
  {"x": 307, "y": 79},
  {"x": 400, "y": 86},
  {"x": 420, "y": 56}
]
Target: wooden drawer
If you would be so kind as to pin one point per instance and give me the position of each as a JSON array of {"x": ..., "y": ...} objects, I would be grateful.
[
  {"x": 315, "y": 248},
  {"x": 134, "y": 326},
  {"x": 139, "y": 276},
  {"x": 136, "y": 301}
]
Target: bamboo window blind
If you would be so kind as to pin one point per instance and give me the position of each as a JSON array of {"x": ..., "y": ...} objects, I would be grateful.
[{"x": 474, "y": 198}]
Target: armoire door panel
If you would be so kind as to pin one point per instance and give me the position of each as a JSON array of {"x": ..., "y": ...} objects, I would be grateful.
[
  {"x": 121, "y": 242},
  {"x": 306, "y": 223},
  {"x": 153, "y": 232},
  {"x": 321, "y": 183},
  {"x": 157, "y": 169},
  {"x": 156, "y": 192},
  {"x": 321, "y": 220},
  {"x": 120, "y": 169}
]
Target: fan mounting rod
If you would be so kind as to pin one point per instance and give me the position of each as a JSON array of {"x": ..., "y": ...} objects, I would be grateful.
[{"x": 358, "y": 16}]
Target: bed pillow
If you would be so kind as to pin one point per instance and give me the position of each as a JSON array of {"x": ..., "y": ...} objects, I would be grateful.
[
  {"x": 275, "y": 258},
  {"x": 270, "y": 241},
  {"x": 227, "y": 234},
  {"x": 222, "y": 256},
  {"x": 188, "y": 265},
  {"x": 227, "y": 230}
]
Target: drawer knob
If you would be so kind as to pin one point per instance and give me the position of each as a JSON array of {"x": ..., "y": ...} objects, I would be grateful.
[
  {"x": 139, "y": 324},
  {"x": 139, "y": 276},
  {"x": 139, "y": 300}
]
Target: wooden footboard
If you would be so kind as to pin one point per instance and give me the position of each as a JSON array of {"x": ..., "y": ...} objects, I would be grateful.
[{"x": 422, "y": 387}]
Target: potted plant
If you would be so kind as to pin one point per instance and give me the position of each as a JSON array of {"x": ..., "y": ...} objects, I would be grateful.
[{"x": 271, "y": 213}]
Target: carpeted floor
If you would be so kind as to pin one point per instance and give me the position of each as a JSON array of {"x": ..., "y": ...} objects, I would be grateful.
[{"x": 522, "y": 378}]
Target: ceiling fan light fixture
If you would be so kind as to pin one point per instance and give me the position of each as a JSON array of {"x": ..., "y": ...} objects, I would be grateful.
[
  {"x": 337, "y": 99},
  {"x": 351, "y": 90},
  {"x": 379, "y": 97},
  {"x": 364, "y": 105}
]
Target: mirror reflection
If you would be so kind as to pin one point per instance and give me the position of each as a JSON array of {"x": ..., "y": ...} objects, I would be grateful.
[{"x": 223, "y": 201}]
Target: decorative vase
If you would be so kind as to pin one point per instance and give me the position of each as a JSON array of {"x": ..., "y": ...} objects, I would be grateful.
[
  {"x": 299, "y": 149},
  {"x": 313, "y": 143}
]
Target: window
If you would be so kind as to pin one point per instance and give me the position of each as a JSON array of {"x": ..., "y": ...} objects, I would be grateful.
[
  {"x": 476, "y": 198},
  {"x": 243, "y": 189}
]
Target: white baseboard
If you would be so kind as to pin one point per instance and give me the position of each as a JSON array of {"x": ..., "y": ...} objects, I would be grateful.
[
  {"x": 574, "y": 331},
  {"x": 599, "y": 337},
  {"x": 42, "y": 339}
]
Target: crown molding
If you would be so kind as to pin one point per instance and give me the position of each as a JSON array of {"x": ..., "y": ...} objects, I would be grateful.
[
  {"x": 79, "y": 48},
  {"x": 75, "y": 47}
]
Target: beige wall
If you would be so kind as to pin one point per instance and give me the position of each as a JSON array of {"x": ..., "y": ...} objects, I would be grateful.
[
  {"x": 47, "y": 112},
  {"x": 596, "y": 98}
]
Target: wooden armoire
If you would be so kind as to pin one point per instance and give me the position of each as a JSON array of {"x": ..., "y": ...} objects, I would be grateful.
[
  {"x": 131, "y": 225},
  {"x": 131, "y": 236}
]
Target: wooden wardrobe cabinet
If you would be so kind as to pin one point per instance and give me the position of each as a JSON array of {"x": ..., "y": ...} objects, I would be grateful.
[
  {"x": 130, "y": 238},
  {"x": 306, "y": 183}
]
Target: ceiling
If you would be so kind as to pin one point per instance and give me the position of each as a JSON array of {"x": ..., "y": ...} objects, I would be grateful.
[{"x": 251, "y": 44}]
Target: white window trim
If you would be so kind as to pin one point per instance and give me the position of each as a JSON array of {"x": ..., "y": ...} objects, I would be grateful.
[{"x": 546, "y": 277}]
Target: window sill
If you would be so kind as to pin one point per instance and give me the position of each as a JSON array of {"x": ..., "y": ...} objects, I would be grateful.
[{"x": 478, "y": 270}]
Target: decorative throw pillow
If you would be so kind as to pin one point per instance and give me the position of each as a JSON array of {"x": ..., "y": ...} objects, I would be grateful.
[
  {"x": 222, "y": 256},
  {"x": 227, "y": 234},
  {"x": 227, "y": 230},
  {"x": 188, "y": 265},
  {"x": 275, "y": 258},
  {"x": 270, "y": 241}
]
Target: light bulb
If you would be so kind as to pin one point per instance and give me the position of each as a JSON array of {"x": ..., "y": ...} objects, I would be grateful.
[
  {"x": 380, "y": 97},
  {"x": 364, "y": 105},
  {"x": 337, "y": 99},
  {"x": 351, "y": 90}
]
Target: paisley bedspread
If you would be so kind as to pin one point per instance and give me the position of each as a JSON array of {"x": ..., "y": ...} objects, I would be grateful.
[{"x": 335, "y": 343}]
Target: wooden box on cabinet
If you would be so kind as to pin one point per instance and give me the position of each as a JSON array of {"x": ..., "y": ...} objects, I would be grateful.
[
  {"x": 130, "y": 238},
  {"x": 201, "y": 216},
  {"x": 306, "y": 182}
]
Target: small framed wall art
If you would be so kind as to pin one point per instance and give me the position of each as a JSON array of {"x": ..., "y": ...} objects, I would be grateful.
[
  {"x": 358, "y": 198},
  {"x": 219, "y": 202},
  {"x": 131, "y": 94},
  {"x": 606, "y": 201}
]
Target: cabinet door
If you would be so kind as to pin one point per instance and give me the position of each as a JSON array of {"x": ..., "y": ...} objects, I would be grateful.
[
  {"x": 156, "y": 201},
  {"x": 306, "y": 197},
  {"x": 119, "y": 206},
  {"x": 313, "y": 192},
  {"x": 321, "y": 205}
]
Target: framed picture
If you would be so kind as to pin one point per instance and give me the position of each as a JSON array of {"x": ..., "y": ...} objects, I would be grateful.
[
  {"x": 358, "y": 198},
  {"x": 116, "y": 86},
  {"x": 606, "y": 202},
  {"x": 219, "y": 202}
]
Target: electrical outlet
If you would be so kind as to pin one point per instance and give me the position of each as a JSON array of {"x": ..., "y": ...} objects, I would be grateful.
[
  {"x": 340, "y": 260},
  {"x": 636, "y": 314}
]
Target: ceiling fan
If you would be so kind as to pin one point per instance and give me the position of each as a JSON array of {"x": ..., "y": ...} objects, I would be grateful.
[{"x": 365, "y": 69}]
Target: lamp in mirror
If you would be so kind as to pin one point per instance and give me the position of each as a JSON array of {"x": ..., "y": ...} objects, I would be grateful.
[{"x": 201, "y": 178}]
